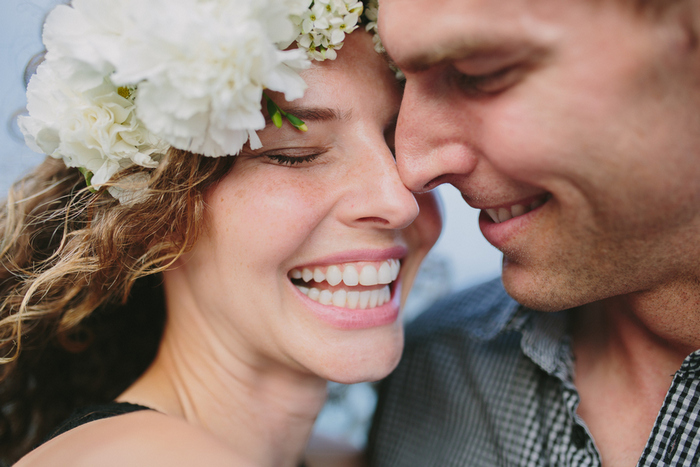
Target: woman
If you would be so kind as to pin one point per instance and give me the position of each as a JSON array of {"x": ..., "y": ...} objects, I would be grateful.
[{"x": 280, "y": 268}]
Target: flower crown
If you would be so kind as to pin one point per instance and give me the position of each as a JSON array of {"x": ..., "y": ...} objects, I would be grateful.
[{"x": 124, "y": 80}]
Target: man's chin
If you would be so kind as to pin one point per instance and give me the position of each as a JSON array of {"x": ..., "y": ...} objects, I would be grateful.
[{"x": 542, "y": 290}]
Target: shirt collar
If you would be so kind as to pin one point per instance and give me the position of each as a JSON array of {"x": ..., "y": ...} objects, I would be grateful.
[{"x": 546, "y": 340}]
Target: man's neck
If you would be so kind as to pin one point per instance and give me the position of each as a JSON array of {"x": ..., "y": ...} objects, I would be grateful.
[{"x": 626, "y": 351}]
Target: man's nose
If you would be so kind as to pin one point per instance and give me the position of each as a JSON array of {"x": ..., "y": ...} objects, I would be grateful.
[{"x": 433, "y": 137}]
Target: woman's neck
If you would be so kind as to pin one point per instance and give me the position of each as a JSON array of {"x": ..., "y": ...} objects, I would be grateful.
[{"x": 263, "y": 410}]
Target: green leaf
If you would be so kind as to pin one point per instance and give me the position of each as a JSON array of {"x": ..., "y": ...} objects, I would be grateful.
[{"x": 297, "y": 122}]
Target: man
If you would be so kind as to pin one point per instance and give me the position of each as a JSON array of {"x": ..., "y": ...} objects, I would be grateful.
[{"x": 574, "y": 125}]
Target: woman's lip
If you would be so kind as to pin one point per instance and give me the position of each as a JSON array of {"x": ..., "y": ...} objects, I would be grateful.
[
  {"x": 356, "y": 256},
  {"x": 348, "y": 319}
]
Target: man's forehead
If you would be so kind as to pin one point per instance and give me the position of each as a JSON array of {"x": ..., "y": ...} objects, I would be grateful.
[{"x": 420, "y": 33}]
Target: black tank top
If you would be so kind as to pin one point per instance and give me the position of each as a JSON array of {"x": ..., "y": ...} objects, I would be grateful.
[{"x": 95, "y": 412}]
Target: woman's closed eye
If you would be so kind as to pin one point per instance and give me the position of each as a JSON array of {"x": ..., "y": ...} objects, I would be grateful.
[{"x": 294, "y": 158}]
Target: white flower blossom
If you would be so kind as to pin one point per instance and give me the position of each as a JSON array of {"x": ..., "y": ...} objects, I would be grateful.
[
  {"x": 123, "y": 80},
  {"x": 196, "y": 70},
  {"x": 372, "y": 15},
  {"x": 202, "y": 65},
  {"x": 81, "y": 40},
  {"x": 95, "y": 129},
  {"x": 323, "y": 27}
]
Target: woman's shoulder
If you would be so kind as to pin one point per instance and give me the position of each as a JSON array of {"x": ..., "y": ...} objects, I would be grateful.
[
  {"x": 323, "y": 451},
  {"x": 138, "y": 438}
]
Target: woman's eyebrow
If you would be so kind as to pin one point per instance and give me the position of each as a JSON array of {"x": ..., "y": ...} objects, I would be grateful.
[{"x": 318, "y": 114}]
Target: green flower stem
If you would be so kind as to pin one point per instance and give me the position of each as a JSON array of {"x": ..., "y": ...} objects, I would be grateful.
[
  {"x": 276, "y": 114},
  {"x": 88, "y": 178}
]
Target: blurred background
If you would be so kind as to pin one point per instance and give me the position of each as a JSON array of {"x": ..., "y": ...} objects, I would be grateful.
[{"x": 461, "y": 257}]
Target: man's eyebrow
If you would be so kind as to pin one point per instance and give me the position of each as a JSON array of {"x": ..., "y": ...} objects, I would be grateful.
[
  {"x": 459, "y": 49},
  {"x": 317, "y": 114}
]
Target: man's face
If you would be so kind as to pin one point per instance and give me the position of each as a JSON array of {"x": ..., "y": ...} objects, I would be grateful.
[{"x": 574, "y": 127}]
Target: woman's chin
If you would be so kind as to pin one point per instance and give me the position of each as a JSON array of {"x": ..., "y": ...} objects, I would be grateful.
[{"x": 370, "y": 363}]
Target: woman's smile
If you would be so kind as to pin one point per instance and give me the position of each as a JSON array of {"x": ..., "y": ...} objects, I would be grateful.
[
  {"x": 352, "y": 294},
  {"x": 356, "y": 285}
]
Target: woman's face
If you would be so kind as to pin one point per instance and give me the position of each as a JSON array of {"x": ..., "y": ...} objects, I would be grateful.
[{"x": 297, "y": 228}]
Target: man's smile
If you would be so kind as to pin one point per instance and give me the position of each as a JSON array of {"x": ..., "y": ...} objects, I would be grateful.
[{"x": 505, "y": 213}]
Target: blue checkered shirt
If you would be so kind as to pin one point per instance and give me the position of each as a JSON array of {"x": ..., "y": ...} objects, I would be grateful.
[{"x": 486, "y": 382}]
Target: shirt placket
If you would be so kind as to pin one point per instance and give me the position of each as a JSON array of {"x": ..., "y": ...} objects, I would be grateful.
[{"x": 675, "y": 438}]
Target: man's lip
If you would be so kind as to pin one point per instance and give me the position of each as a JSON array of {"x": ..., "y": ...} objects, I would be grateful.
[
  {"x": 507, "y": 204},
  {"x": 500, "y": 234}
]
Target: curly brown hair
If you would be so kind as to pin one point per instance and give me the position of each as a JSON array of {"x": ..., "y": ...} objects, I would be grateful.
[{"x": 81, "y": 304}]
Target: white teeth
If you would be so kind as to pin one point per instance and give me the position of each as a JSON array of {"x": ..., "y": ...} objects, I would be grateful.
[
  {"x": 339, "y": 297},
  {"x": 384, "y": 274},
  {"x": 368, "y": 276},
  {"x": 352, "y": 300},
  {"x": 504, "y": 214},
  {"x": 350, "y": 276},
  {"x": 307, "y": 275},
  {"x": 493, "y": 214},
  {"x": 373, "y": 298},
  {"x": 384, "y": 295},
  {"x": 517, "y": 210},
  {"x": 326, "y": 297},
  {"x": 364, "y": 299},
  {"x": 333, "y": 275},
  {"x": 395, "y": 268},
  {"x": 314, "y": 293}
]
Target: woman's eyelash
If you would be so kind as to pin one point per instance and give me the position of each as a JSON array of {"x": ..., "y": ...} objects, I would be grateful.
[{"x": 291, "y": 160}]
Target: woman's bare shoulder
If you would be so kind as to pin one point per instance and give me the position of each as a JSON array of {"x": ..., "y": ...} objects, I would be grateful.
[
  {"x": 144, "y": 438},
  {"x": 328, "y": 452}
]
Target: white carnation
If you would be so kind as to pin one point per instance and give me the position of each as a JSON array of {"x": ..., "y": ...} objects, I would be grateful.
[
  {"x": 196, "y": 70},
  {"x": 95, "y": 129},
  {"x": 202, "y": 68},
  {"x": 84, "y": 39}
]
